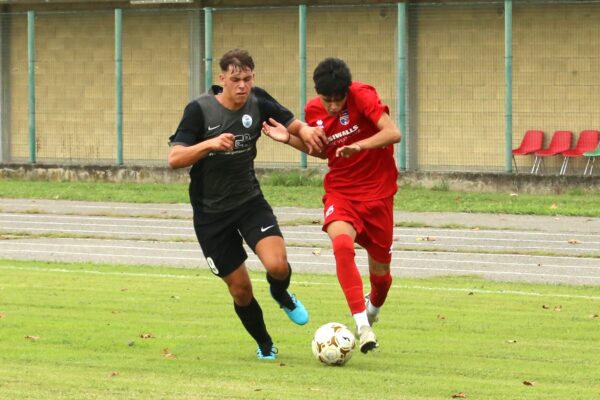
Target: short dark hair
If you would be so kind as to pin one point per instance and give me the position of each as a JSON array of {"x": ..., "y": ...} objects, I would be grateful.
[
  {"x": 238, "y": 59},
  {"x": 332, "y": 78}
]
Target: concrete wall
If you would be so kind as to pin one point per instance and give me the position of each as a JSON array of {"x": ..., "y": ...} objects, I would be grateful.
[
  {"x": 4, "y": 87},
  {"x": 556, "y": 71},
  {"x": 457, "y": 72},
  {"x": 456, "y": 82}
]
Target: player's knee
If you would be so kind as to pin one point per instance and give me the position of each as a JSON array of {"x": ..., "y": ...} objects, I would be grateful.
[
  {"x": 343, "y": 244},
  {"x": 278, "y": 268},
  {"x": 241, "y": 293}
]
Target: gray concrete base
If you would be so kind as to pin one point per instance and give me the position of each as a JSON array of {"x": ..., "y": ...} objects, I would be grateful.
[{"x": 455, "y": 181}]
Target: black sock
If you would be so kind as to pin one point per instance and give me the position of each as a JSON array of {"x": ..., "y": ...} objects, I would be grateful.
[
  {"x": 279, "y": 290},
  {"x": 252, "y": 319}
]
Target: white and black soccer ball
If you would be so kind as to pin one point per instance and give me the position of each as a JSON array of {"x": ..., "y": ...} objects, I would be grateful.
[{"x": 333, "y": 344}]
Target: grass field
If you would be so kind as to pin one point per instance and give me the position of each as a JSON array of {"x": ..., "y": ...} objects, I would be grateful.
[{"x": 75, "y": 331}]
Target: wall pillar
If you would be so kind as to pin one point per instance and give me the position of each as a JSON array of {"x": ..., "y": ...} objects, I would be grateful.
[{"x": 4, "y": 90}]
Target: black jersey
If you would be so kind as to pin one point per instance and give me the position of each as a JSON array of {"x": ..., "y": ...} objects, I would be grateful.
[{"x": 224, "y": 180}]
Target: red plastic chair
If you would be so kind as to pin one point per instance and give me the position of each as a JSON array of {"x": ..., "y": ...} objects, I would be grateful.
[
  {"x": 531, "y": 142},
  {"x": 587, "y": 141},
  {"x": 561, "y": 141}
]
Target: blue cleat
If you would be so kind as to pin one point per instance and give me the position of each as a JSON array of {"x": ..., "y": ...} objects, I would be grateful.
[
  {"x": 298, "y": 314},
  {"x": 262, "y": 355}
]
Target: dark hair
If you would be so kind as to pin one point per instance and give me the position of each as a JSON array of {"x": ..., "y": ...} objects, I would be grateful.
[
  {"x": 238, "y": 59},
  {"x": 332, "y": 78}
]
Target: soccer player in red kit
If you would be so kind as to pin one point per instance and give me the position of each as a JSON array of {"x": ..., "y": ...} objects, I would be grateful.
[{"x": 357, "y": 137}]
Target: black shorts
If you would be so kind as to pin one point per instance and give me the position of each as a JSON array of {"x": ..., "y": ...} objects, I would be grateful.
[{"x": 220, "y": 234}]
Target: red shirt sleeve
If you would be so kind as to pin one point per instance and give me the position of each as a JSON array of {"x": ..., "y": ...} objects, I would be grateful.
[{"x": 368, "y": 102}]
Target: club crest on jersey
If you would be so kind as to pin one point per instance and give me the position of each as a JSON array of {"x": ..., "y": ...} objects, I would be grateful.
[
  {"x": 344, "y": 118},
  {"x": 246, "y": 121}
]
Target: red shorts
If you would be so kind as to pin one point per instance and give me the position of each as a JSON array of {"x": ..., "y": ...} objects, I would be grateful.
[{"x": 372, "y": 220}]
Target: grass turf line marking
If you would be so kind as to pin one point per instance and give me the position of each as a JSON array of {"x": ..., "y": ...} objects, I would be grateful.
[{"x": 394, "y": 286}]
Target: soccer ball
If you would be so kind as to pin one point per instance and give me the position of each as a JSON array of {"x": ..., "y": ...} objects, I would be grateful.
[{"x": 333, "y": 344}]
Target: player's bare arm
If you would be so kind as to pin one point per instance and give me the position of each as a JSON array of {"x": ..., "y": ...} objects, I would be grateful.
[
  {"x": 388, "y": 134},
  {"x": 314, "y": 138},
  {"x": 280, "y": 133},
  {"x": 183, "y": 156}
]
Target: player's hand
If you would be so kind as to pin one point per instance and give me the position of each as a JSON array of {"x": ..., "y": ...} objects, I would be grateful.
[
  {"x": 314, "y": 138},
  {"x": 223, "y": 142},
  {"x": 276, "y": 131},
  {"x": 347, "y": 151}
]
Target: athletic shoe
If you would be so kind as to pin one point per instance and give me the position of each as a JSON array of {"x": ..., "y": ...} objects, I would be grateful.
[
  {"x": 368, "y": 340},
  {"x": 372, "y": 317},
  {"x": 269, "y": 354},
  {"x": 298, "y": 314}
]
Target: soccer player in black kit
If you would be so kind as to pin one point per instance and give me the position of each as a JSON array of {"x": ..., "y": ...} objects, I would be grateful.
[{"x": 217, "y": 136}]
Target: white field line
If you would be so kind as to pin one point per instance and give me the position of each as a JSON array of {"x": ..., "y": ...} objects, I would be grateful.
[
  {"x": 360, "y": 258},
  {"x": 254, "y": 261},
  {"x": 302, "y": 252},
  {"x": 113, "y": 233},
  {"x": 417, "y": 231},
  {"x": 75, "y": 223},
  {"x": 432, "y": 230},
  {"x": 30, "y": 218},
  {"x": 394, "y": 286},
  {"x": 145, "y": 207},
  {"x": 171, "y": 207},
  {"x": 188, "y": 233},
  {"x": 567, "y": 246},
  {"x": 488, "y": 272}
]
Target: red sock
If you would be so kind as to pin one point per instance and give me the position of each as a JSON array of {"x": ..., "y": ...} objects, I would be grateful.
[
  {"x": 347, "y": 273},
  {"x": 380, "y": 286}
]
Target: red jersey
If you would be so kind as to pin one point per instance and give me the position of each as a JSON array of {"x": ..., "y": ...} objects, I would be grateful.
[{"x": 368, "y": 174}]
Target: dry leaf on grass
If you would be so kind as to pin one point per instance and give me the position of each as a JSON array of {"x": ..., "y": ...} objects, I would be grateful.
[
  {"x": 32, "y": 338},
  {"x": 168, "y": 354},
  {"x": 554, "y": 206},
  {"x": 529, "y": 383},
  {"x": 147, "y": 336},
  {"x": 459, "y": 395},
  {"x": 2, "y": 315},
  {"x": 594, "y": 315},
  {"x": 545, "y": 306},
  {"x": 114, "y": 373},
  {"x": 558, "y": 308}
]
